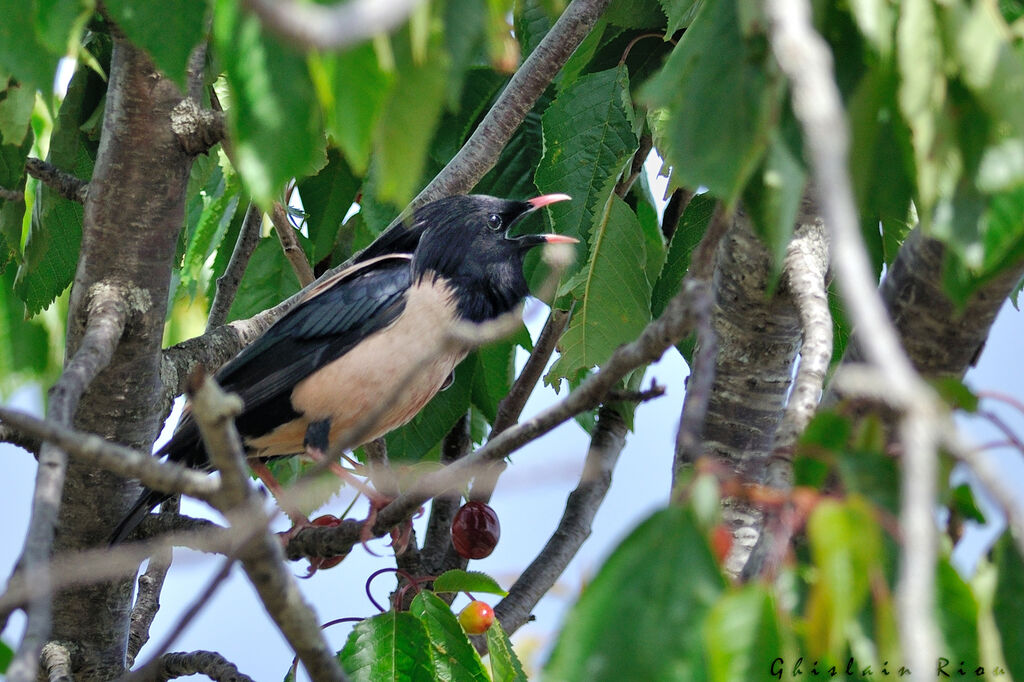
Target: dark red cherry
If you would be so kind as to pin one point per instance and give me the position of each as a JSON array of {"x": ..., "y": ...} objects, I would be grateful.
[{"x": 475, "y": 530}]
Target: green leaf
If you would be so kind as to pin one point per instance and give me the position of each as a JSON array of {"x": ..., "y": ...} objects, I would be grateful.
[
  {"x": 22, "y": 55},
  {"x": 680, "y": 13},
  {"x": 326, "y": 198},
  {"x": 52, "y": 246},
  {"x": 412, "y": 442},
  {"x": 742, "y": 634},
  {"x": 505, "y": 665},
  {"x": 922, "y": 99},
  {"x": 268, "y": 280},
  {"x": 277, "y": 134},
  {"x": 59, "y": 23},
  {"x": 639, "y": 618},
  {"x": 957, "y": 616},
  {"x": 962, "y": 500},
  {"x": 24, "y": 344},
  {"x": 647, "y": 14},
  {"x": 494, "y": 373},
  {"x": 846, "y": 546},
  {"x": 6, "y": 656},
  {"x": 588, "y": 137},
  {"x": 356, "y": 88},
  {"x": 613, "y": 295},
  {"x": 389, "y": 646},
  {"x": 407, "y": 123},
  {"x": 723, "y": 94},
  {"x": 167, "y": 30},
  {"x": 453, "y": 656},
  {"x": 12, "y": 213},
  {"x": 15, "y": 113},
  {"x": 457, "y": 580},
  {"x": 692, "y": 227},
  {"x": 880, "y": 161},
  {"x": 772, "y": 197},
  {"x": 1008, "y": 604},
  {"x": 217, "y": 213},
  {"x": 532, "y": 22}
]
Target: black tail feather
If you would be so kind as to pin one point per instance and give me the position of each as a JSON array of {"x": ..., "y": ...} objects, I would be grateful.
[{"x": 139, "y": 511}]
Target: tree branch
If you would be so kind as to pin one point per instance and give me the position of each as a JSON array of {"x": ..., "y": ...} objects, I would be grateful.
[
  {"x": 198, "y": 130},
  {"x": 14, "y": 436},
  {"x": 56, "y": 660},
  {"x": 227, "y": 284},
  {"x": 63, "y": 183},
  {"x": 147, "y": 600},
  {"x": 804, "y": 272},
  {"x": 12, "y": 194},
  {"x": 168, "y": 477},
  {"x": 807, "y": 62},
  {"x": 319, "y": 27},
  {"x": 214, "y": 412},
  {"x": 148, "y": 671},
  {"x": 208, "y": 663},
  {"x": 605, "y": 445},
  {"x": 292, "y": 251},
  {"x": 107, "y": 314},
  {"x": 481, "y": 151}
]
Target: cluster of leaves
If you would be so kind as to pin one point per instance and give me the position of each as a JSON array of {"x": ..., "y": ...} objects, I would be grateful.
[
  {"x": 831, "y": 609},
  {"x": 937, "y": 138},
  {"x": 427, "y": 643}
]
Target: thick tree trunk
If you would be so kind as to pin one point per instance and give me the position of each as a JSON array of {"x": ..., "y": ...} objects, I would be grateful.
[
  {"x": 758, "y": 339},
  {"x": 133, "y": 215},
  {"x": 940, "y": 338}
]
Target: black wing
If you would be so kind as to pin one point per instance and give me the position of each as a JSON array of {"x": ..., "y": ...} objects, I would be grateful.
[{"x": 336, "y": 316}]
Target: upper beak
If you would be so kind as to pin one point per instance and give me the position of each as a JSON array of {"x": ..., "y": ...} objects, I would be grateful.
[
  {"x": 545, "y": 199},
  {"x": 530, "y": 240}
]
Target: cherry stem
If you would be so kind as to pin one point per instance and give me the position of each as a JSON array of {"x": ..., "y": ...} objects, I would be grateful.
[
  {"x": 634, "y": 41},
  {"x": 398, "y": 571}
]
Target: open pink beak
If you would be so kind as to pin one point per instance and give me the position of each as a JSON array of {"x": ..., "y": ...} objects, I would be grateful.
[{"x": 544, "y": 200}]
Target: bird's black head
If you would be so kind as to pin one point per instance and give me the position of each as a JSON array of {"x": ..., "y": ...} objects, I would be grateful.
[{"x": 466, "y": 243}]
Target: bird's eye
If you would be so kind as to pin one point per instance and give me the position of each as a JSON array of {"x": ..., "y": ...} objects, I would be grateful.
[{"x": 494, "y": 221}]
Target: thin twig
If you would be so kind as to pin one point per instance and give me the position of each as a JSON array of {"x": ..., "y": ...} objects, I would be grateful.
[
  {"x": 12, "y": 194},
  {"x": 605, "y": 445},
  {"x": 702, "y": 374},
  {"x": 332, "y": 27},
  {"x": 63, "y": 183},
  {"x": 168, "y": 477},
  {"x": 147, "y": 600},
  {"x": 107, "y": 313},
  {"x": 806, "y": 60},
  {"x": 227, "y": 284},
  {"x": 292, "y": 251},
  {"x": 511, "y": 406},
  {"x": 438, "y": 555},
  {"x": 149, "y": 670}
]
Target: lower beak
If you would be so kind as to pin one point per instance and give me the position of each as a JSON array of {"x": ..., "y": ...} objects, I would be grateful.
[{"x": 528, "y": 241}]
